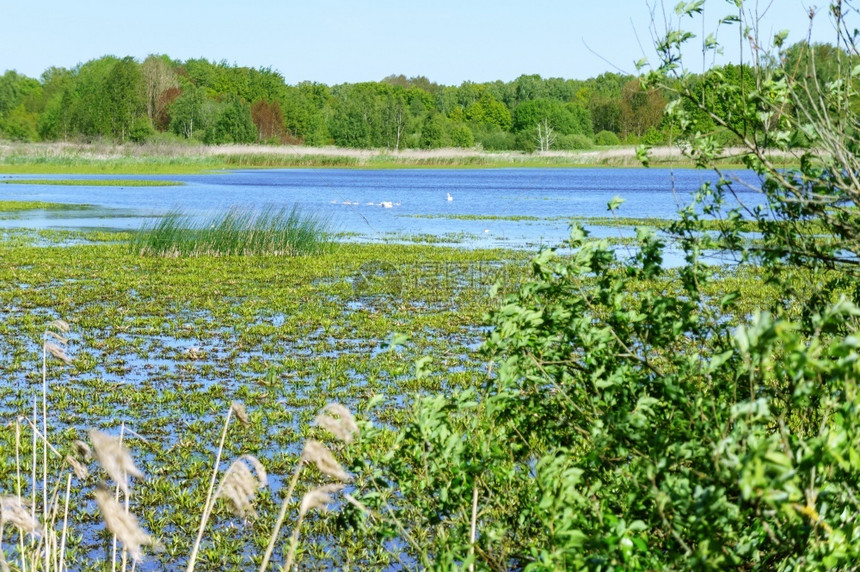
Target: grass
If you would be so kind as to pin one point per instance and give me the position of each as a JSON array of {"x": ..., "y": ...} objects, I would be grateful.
[
  {"x": 176, "y": 158},
  {"x": 94, "y": 182},
  {"x": 17, "y": 206},
  {"x": 706, "y": 224},
  {"x": 235, "y": 232}
]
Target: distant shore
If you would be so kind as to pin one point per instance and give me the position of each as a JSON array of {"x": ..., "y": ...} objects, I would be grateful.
[{"x": 175, "y": 158}]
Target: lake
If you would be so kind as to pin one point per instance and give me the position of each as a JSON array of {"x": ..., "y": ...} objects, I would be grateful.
[{"x": 475, "y": 208}]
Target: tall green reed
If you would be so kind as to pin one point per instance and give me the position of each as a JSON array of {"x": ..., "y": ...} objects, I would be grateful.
[{"x": 235, "y": 232}]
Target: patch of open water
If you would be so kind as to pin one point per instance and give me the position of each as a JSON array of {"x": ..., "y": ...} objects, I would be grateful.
[{"x": 480, "y": 208}]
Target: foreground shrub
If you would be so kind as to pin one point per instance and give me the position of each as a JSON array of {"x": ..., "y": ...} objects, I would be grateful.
[{"x": 641, "y": 418}]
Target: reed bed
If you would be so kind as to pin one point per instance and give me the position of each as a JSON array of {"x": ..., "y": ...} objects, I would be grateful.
[
  {"x": 183, "y": 157},
  {"x": 236, "y": 232}
]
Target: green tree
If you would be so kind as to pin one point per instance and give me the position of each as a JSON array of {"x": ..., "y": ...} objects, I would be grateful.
[
  {"x": 489, "y": 112},
  {"x": 161, "y": 86},
  {"x": 89, "y": 99},
  {"x": 462, "y": 136},
  {"x": 191, "y": 114},
  {"x": 15, "y": 90},
  {"x": 303, "y": 107},
  {"x": 566, "y": 119},
  {"x": 19, "y": 124},
  {"x": 54, "y": 121},
  {"x": 395, "y": 117},
  {"x": 125, "y": 97},
  {"x": 432, "y": 132},
  {"x": 234, "y": 124}
]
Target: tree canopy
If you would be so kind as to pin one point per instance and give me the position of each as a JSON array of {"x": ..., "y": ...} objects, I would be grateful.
[{"x": 112, "y": 97}]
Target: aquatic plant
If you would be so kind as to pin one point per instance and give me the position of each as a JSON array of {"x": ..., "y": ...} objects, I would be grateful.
[
  {"x": 286, "y": 337},
  {"x": 236, "y": 232},
  {"x": 47, "y": 549}
]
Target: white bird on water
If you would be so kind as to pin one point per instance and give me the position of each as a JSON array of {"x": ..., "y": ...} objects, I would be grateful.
[{"x": 450, "y": 198}]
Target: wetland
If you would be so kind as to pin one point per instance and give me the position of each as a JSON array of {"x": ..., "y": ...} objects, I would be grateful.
[{"x": 161, "y": 347}]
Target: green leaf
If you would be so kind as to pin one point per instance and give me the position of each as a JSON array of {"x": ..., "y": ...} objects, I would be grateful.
[
  {"x": 422, "y": 367},
  {"x": 615, "y": 203},
  {"x": 689, "y": 8},
  {"x": 778, "y": 458},
  {"x": 395, "y": 340},
  {"x": 642, "y": 155},
  {"x": 375, "y": 400},
  {"x": 729, "y": 299},
  {"x": 779, "y": 38},
  {"x": 719, "y": 360}
]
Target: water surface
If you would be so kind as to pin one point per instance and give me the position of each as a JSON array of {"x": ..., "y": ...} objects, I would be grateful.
[{"x": 386, "y": 205}]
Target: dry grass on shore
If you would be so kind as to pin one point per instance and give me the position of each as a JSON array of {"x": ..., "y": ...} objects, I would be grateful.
[{"x": 175, "y": 156}]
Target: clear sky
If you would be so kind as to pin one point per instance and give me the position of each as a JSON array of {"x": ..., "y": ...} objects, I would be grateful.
[{"x": 337, "y": 41}]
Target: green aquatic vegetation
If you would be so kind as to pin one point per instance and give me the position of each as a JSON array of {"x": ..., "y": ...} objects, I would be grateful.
[
  {"x": 94, "y": 182},
  {"x": 165, "y": 344},
  {"x": 236, "y": 232},
  {"x": 15, "y": 206},
  {"x": 483, "y": 217}
]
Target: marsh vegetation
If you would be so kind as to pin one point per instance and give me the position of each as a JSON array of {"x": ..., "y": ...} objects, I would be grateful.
[
  {"x": 586, "y": 407},
  {"x": 237, "y": 232}
]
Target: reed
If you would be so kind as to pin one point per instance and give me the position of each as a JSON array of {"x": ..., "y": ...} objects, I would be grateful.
[{"x": 236, "y": 232}]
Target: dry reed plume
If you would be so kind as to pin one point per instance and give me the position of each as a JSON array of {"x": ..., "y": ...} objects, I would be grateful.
[
  {"x": 238, "y": 410},
  {"x": 239, "y": 485},
  {"x": 79, "y": 468},
  {"x": 123, "y": 525},
  {"x": 337, "y": 420},
  {"x": 115, "y": 458},
  {"x": 318, "y": 498},
  {"x": 318, "y": 454},
  {"x": 13, "y": 511}
]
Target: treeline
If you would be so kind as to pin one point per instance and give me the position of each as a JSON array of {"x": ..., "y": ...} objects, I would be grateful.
[{"x": 159, "y": 98}]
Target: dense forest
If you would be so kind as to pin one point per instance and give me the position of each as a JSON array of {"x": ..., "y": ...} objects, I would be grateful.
[{"x": 126, "y": 100}]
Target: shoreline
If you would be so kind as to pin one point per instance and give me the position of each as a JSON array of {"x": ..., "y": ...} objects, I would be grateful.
[{"x": 179, "y": 158}]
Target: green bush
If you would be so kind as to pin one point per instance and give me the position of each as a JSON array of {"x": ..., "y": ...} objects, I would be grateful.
[
  {"x": 141, "y": 130},
  {"x": 462, "y": 136},
  {"x": 606, "y": 138},
  {"x": 640, "y": 418},
  {"x": 496, "y": 140},
  {"x": 573, "y": 142}
]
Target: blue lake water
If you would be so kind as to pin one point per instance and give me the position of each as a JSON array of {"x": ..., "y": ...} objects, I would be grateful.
[{"x": 387, "y": 205}]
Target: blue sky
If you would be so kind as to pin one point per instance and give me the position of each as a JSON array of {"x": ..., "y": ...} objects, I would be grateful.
[{"x": 336, "y": 41}]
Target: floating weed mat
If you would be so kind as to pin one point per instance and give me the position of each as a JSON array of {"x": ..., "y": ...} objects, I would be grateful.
[
  {"x": 16, "y": 206},
  {"x": 236, "y": 232}
]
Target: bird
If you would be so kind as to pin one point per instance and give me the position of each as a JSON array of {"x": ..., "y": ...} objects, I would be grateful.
[{"x": 450, "y": 198}]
